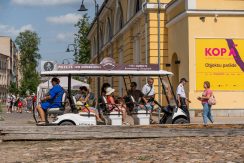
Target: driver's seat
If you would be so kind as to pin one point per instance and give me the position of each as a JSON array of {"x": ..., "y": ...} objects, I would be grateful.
[{"x": 57, "y": 111}]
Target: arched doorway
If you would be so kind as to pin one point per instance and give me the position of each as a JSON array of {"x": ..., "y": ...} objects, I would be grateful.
[{"x": 175, "y": 70}]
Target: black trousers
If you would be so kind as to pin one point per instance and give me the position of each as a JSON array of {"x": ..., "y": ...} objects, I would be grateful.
[{"x": 184, "y": 107}]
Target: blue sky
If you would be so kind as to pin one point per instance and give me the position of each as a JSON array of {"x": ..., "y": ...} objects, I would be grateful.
[{"x": 53, "y": 20}]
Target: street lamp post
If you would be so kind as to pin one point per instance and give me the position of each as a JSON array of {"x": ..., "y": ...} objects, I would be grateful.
[
  {"x": 66, "y": 60},
  {"x": 72, "y": 50},
  {"x": 83, "y": 8}
]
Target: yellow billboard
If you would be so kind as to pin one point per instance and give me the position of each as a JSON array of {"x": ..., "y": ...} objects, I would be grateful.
[{"x": 221, "y": 62}]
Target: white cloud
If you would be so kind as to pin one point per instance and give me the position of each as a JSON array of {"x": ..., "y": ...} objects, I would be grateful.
[
  {"x": 51, "y": 2},
  {"x": 70, "y": 18},
  {"x": 63, "y": 37},
  {"x": 13, "y": 31},
  {"x": 26, "y": 27}
]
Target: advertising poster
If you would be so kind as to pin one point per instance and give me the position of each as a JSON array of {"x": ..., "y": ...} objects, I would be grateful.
[{"x": 221, "y": 62}]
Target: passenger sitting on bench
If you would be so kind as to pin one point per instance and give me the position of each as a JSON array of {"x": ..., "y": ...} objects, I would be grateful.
[
  {"x": 138, "y": 97},
  {"x": 149, "y": 93},
  {"x": 104, "y": 87},
  {"x": 113, "y": 106},
  {"x": 86, "y": 100},
  {"x": 52, "y": 100}
]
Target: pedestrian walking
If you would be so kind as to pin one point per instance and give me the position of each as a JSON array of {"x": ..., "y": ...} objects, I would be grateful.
[
  {"x": 29, "y": 103},
  {"x": 9, "y": 103},
  {"x": 13, "y": 103},
  {"x": 34, "y": 99},
  {"x": 206, "y": 95},
  {"x": 181, "y": 97},
  {"x": 19, "y": 105}
]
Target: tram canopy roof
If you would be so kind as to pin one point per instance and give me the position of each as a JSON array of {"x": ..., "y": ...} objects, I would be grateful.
[
  {"x": 105, "y": 73},
  {"x": 106, "y": 68}
]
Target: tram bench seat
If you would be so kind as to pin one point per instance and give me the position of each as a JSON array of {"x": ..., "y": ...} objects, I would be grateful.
[
  {"x": 56, "y": 111},
  {"x": 139, "y": 115},
  {"x": 114, "y": 117}
]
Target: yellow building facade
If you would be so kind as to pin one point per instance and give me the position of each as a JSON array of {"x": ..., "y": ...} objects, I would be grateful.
[{"x": 196, "y": 39}]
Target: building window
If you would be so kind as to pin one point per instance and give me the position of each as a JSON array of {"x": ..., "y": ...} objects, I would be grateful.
[
  {"x": 137, "y": 50},
  {"x": 119, "y": 20},
  {"x": 138, "y": 6},
  {"x": 108, "y": 31},
  {"x": 101, "y": 36},
  {"x": 134, "y": 6},
  {"x": 94, "y": 47}
]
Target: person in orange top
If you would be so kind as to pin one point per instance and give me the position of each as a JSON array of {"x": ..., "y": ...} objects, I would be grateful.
[{"x": 113, "y": 106}]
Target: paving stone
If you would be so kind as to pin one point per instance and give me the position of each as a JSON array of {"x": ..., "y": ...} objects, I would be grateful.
[
  {"x": 191, "y": 149},
  {"x": 166, "y": 150}
]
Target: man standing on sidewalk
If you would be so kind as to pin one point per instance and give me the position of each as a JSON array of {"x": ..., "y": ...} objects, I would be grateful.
[{"x": 181, "y": 97}]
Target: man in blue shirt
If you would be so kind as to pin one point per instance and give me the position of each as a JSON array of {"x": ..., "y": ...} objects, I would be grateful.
[{"x": 52, "y": 100}]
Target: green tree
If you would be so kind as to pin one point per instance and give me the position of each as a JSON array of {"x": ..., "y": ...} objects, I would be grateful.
[
  {"x": 81, "y": 41},
  {"x": 13, "y": 88},
  {"x": 28, "y": 43}
]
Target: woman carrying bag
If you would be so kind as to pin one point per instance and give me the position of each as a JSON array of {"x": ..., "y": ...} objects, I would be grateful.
[{"x": 207, "y": 100}]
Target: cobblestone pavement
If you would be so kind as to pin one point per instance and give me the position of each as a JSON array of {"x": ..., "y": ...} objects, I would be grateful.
[
  {"x": 191, "y": 149},
  {"x": 183, "y": 149}
]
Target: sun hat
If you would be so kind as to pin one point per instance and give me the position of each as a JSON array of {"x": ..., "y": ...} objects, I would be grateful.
[{"x": 109, "y": 91}]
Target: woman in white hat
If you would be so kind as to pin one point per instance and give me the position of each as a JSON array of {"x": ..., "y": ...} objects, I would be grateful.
[{"x": 113, "y": 106}]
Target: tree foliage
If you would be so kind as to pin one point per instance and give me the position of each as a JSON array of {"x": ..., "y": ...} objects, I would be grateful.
[
  {"x": 81, "y": 41},
  {"x": 13, "y": 88},
  {"x": 28, "y": 43}
]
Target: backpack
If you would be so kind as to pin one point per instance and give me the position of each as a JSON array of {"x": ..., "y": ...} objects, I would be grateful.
[{"x": 212, "y": 100}]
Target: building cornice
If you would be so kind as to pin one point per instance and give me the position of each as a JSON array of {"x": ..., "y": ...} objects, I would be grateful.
[
  {"x": 204, "y": 13},
  {"x": 170, "y": 6},
  {"x": 153, "y": 6}
]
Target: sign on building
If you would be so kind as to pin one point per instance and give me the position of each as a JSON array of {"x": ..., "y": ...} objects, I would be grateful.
[{"x": 221, "y": 62}]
